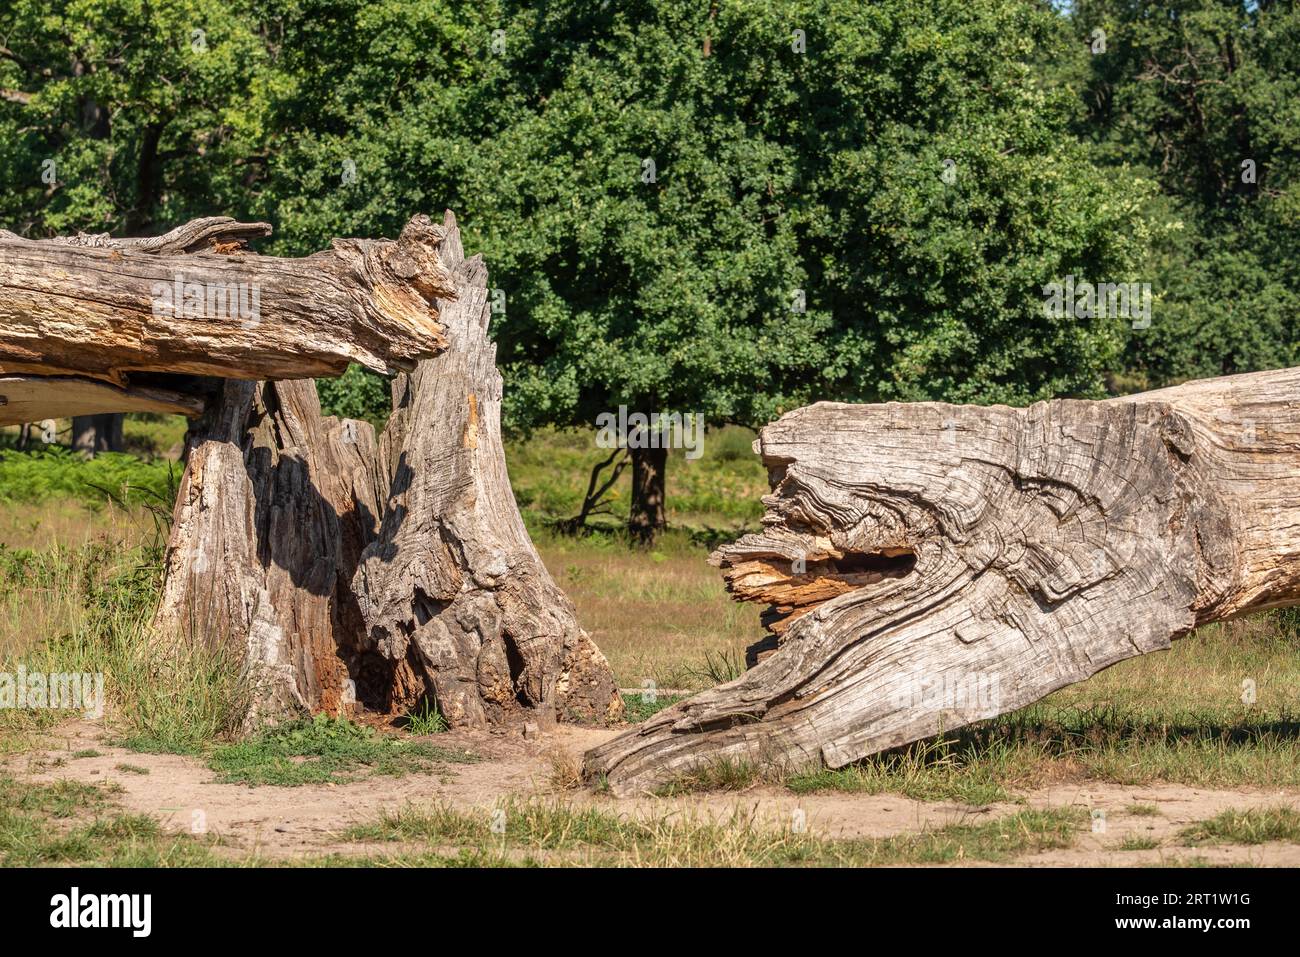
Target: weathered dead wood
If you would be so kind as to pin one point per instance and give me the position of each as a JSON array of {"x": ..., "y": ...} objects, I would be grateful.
[
  {"x": 274, "y": 507},
  {"x": 453, "y": 585},
  {"x": 196, "y": 303},
  {"x": 32, "y": 398},
  {"x": 931, "y": 565},
  {"x": 198, "y": 235},
  {"x": 343, "y": 569}
]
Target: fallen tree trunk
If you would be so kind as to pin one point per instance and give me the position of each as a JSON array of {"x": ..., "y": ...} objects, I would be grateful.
[
  {"x": 930, "y": 565},
  {"x": 120, "y": 320},
  {"x": 347, "y": 570}
]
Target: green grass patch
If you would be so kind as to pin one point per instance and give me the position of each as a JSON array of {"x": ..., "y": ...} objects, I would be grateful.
[
  {"x": 425, "y": 720},
  {"x": 996, "y": 841},
  {"x": 165, "y": 694},
  {"x": 74, "y": 824},
  {"x": 1050, "y": 741},
  {"x": 1253, "y": 826},
  {"x": 324, "y": 750},
  {"x": 640, "y": 705},
  {"x": 55, "y": 472},
  {"x": 560, "y": 834},
  {"x": 935, "y": 770}
]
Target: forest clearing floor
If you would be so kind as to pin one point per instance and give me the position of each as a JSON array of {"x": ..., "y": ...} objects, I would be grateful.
[
  {"x": 83, "y": 800},
  {"x": 1189, "y": 756}
]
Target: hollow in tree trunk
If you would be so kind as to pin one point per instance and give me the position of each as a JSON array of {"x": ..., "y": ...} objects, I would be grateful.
[{"x": 347, "y": 569}]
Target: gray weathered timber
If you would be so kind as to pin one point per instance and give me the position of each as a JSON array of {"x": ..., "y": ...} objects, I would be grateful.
[
  {"x": 196, "y": 303},
  {"x": 930, "y": 565},
  {"x": 274, "y": 507},
  {"x": 341, "y": 568},
  {"x": 452, "y": 587},
  {"x": 32, "y": 398}
]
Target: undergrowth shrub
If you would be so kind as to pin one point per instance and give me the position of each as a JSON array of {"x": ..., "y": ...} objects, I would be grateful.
[{"x": 52, "y": 472}]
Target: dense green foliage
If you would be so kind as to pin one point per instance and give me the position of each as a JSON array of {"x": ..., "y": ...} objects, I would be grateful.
[
  {"x": 727, "y": 208},
  {"x": 128, "y": 116},
  {"x": 357, "y": 394},
  {"x": 1204, "y": 95},
  {"x": 53, "y": 472}
]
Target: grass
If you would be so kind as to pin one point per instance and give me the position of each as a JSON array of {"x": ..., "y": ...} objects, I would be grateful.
[
  {"x": 641, "y": 705},
  {"x": 69, "y": 823},
  {"x": 935, "y": 770},
  {"x": 717, "y": 668},
  {"x": 1135, "y": 843},
  {"x": 565, "y": 770},
  {"x": 1142, "y": 810},
  {"x": 425, "y": 720},
  {"x": 997, "y": 841},
  {"x": 1252, "y": 826},
  {"x": 324, "y": 750},
  {"x": 719, "y": 775},
  {"x": 87, "y": 610},
  {"x": 540, "y": 832},
  {"x": 658, "y": 616}
]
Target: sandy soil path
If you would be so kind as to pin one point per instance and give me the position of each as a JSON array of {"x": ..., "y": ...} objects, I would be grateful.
[{"x": 275, "y": 821}]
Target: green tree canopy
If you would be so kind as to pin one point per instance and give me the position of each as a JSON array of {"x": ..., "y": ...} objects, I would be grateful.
[
  {"x": 726, "y": 208},
  {"x": 734, "y": 233},
  {"x": 1204, "y": 96},
  {"x": 126, "y": 116}
]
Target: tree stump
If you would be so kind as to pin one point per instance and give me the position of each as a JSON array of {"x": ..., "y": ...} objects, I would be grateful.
[
  {"x": 274, "y": 508},
  {"x": 931, "y": 565},
  {"x": 345, "y": 568}
]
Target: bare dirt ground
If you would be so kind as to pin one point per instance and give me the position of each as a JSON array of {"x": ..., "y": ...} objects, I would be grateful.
[{"x": 278, "y": 822}]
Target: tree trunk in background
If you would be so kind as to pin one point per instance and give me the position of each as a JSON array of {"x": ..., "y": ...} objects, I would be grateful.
[
  {"x": 92, "y": 434},
  {"x": 931, "y": 565},
  {"x": 345, "y": 569},
  {"x": 649, "y": 476}
]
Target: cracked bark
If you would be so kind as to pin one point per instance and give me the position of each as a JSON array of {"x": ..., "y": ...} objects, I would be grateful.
[
  {"x": 92, "y": 324},
  {"x": 930, "y": 565},
  {"x": 348, "y": 569}
]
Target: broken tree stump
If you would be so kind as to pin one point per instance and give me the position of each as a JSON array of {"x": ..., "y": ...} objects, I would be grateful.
[
  {"x": 274, "y": 507},
  {"x": 452, "y": 589},
  {"x": 930, "y": 565},
  {"x": 131, "y": 325},
  {"x": 343, "y": 568}
]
